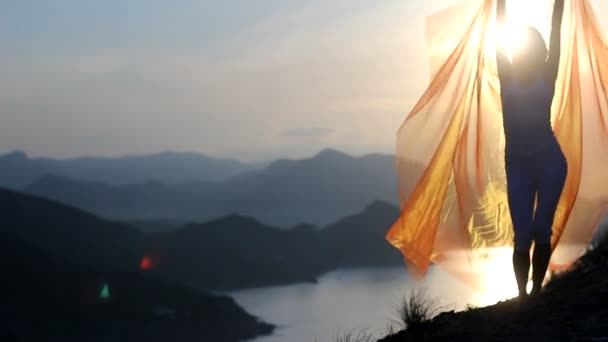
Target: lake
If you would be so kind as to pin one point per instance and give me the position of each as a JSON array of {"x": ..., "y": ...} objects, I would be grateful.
[{"x": 344, "y": 300}]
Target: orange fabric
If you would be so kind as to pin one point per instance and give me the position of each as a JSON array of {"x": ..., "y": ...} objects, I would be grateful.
[{"x": 450, "y": 149}]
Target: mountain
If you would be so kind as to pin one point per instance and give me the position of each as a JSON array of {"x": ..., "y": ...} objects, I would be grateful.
[
  {"x": 17, "y": 170},
  {"x": 69, "y": 275},
  {"x": 142, "y": 201},
  {"x": 46, "y": 298},
  {"x": 69, "y": 233},
  {"x": 236, "y": 252},
  {"x": 319, "y": 190},
  {"x": 359, "y": 240}
]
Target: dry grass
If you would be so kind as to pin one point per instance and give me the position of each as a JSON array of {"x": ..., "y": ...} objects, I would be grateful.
[
  {"x": 416, "y": 308},
  {"x": 355, "y": 336}
]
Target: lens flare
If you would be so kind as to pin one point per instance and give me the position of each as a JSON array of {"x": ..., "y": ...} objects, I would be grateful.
[{"x": 145, "y": 263}]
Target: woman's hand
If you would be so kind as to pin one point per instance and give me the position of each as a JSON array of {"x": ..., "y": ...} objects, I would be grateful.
[
  {"x": 555, "y": 43},
  {"x": 501, "y": 11},
  {"x": 502, "y": 61}
]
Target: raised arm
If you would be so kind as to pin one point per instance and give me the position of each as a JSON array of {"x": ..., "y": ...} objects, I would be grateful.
[
  {"x": 502, "y": 60},
  {"x": 555, "y": 43}
]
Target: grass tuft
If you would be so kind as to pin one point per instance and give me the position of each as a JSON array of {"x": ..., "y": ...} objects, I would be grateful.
[
  {"x": 354, "y": 336},
  {"x": 413, "y": 310}
]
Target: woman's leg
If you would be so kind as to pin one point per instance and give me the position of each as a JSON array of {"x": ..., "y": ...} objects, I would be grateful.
[
  {"x": 521, "y": 190},
  {"x": 551, "y": 177}
]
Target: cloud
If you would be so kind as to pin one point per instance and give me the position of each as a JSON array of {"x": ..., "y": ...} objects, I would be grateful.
[{"x": 309, "y": 132}]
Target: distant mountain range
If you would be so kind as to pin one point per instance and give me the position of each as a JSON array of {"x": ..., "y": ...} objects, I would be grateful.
[
  {"x": 17, "y": 170},
  {"x": 317, "y": 190}
]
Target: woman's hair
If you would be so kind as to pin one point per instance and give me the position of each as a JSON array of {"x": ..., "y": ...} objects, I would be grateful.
[{"x": 533, "y": 53}]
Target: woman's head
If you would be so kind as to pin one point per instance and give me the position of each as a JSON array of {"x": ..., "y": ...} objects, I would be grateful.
[{"x": 532, "y": 55}]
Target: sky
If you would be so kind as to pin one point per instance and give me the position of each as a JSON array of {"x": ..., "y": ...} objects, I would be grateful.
[{"x": 245, "y": 79}]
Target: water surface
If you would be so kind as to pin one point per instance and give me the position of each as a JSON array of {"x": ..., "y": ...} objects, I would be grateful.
[{"x": 346, "y": 299}]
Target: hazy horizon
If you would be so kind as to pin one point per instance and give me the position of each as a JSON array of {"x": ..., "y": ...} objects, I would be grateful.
[
  {"x": 250, "y": 161},
  {"x": 224, "y": 78},
  {"x": 235, "y": 79}
]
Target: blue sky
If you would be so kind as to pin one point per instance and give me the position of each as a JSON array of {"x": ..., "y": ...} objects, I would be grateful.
[{"x": 245, "y": 79}]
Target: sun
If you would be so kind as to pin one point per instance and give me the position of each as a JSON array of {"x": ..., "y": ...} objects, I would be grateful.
[
  {"x": 521, "y": 14},
  {"x": 535, "y": 13},
  {"x": 512, "y": 38}
]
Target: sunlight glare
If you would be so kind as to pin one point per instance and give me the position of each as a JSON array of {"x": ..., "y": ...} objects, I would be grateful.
[
  {"x": 498, "y": 280},
  {"x": 488, "y": 273},
  {"x": 521, "y": 14},
  {"x": 512, "y": 37}
]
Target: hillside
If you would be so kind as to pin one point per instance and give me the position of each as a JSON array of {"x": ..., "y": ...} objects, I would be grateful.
[
  {"x": 68, "y": 232},
  {"x": 67, "y": 275},
  {"x": 572, "y": 308},
  {"x": 48, "y": 298}
]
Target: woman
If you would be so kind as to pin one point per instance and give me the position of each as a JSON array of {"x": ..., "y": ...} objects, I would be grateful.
[
  {"x": 535, "y": 165},
  {"x": 452, "y": 182}
]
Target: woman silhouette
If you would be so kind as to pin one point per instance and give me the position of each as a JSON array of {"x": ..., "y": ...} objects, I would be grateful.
[{"x": 535, "y": 164}]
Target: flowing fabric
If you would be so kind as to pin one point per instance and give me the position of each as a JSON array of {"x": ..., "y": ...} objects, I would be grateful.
[{"x": 450, "y": 149}]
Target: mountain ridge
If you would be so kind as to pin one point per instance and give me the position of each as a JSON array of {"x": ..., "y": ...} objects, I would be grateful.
[
  {"x": 237, "y": 251},
  {"x": 318, "y": 190},
  {"x": 18, "y": 170}
]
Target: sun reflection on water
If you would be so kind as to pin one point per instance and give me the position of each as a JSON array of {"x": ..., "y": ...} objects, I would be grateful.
[
  {"x": 489, "y": 274},
  {"x": 497, "y": 278}
]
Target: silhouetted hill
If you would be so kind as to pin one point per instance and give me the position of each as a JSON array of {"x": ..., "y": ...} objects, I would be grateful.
[
  {"x": 239, "y": 252},
  {"x": 359, "y": 240},
  {"x": 33, "y": 278},
  {"x": 46, "y": 298},
  {"x": 235, "y": 252},
  {"x": 17, "y": 170},
  {"x": 156, "y": 226},
  {"x": 56, "y": 260},
  {"x": 319, "y": 190},
  {"x": 68, "y": 232}
]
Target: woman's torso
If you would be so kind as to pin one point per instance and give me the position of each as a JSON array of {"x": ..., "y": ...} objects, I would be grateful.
[{"x": 527, "y": 116}]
